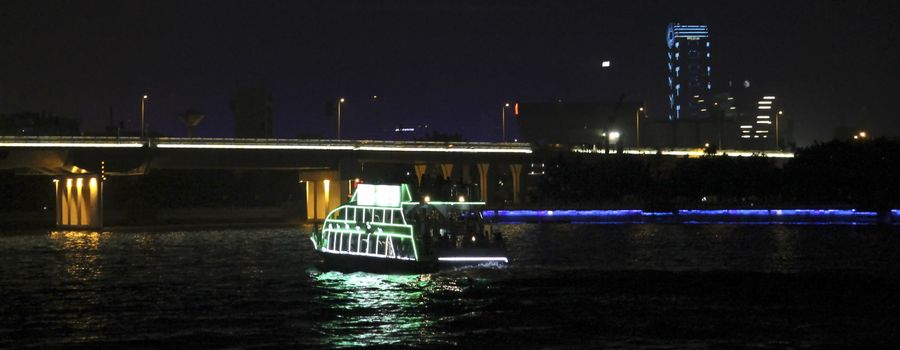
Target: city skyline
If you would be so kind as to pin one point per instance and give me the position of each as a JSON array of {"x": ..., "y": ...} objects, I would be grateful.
[{"x": 451, "y": 66}]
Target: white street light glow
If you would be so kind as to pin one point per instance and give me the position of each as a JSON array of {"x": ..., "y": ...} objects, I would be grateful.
[{"x": 473, "y": 258}]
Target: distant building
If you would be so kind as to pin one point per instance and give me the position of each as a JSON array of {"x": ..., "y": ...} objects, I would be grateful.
[
  {"x": 252, "y": 109},
  {"x": 689, "y": 71},
  {"x": 38, "y": 124},
  {"x": 760, "y": 117}
]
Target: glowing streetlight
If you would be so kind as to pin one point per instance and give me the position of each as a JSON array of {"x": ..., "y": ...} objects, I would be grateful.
[
  {"x": 503, "y": 120},
  {"x": 143, "y": 99},
  {"x": 637, "y": 122},
  {"x": 777, "y": 131},
  {"x": 340, "y": 103}
]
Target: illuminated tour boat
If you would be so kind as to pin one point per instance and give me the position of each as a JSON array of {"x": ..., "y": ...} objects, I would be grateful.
[{"x": 381, "y": 229}]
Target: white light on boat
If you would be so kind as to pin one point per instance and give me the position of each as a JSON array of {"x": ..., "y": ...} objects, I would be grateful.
[{"x": 473, "y": 258}]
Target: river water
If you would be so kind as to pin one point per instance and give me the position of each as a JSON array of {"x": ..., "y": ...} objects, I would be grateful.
[{"x": 568, "y": 286}]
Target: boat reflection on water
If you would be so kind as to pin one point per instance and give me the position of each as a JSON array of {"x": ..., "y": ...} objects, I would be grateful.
[{"x": 376, "y": 310}]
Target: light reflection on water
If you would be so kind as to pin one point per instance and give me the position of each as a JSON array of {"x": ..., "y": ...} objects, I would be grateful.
[
  {"x": 82, "y": 250},
  {"x": 371, "y": 309}
]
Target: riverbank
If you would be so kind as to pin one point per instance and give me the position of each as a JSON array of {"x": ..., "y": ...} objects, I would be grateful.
[
  {"x": 212, "y": 218},
  {"x": 166, "y": 219}
]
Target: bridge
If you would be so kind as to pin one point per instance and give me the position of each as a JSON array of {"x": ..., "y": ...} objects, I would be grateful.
[{"x": 81, "y": 164}]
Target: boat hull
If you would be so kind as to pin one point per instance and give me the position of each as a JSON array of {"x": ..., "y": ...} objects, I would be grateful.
[{"x": 354, "y": 263}]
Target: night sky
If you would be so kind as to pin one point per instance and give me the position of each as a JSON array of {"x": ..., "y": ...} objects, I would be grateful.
[{"x": 451, "y": 64}]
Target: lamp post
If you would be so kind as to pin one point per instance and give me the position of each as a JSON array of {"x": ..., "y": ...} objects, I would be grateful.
[
  {"x": 340, "y": 102},
  {"x": 637, "y": 122},
  {"x": 777, "y": 136},
  {"x": 503, "y": 120},
  {"x": 143, "y": 99}
]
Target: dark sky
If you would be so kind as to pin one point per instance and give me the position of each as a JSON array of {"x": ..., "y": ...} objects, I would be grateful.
[{"x": 450, "y": 63}]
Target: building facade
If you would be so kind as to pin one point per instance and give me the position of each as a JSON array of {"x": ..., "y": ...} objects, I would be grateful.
[{"x": 689, "y": 71}]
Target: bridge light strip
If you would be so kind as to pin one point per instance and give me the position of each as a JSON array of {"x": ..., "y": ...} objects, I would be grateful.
[
  {"x": 444, "y": 149},
  {"x": 72, "y": 144},
  {"x": 462, "y": 149},
  {"x": 252, "y": 146}
]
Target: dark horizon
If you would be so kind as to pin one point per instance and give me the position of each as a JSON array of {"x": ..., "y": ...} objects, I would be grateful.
[{"x": 451, "y": 65}]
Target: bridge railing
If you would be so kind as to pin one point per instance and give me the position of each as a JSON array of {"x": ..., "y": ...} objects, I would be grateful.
[
  {"x": 346, "y": 145},
  {"x": 235, "y": 143}
]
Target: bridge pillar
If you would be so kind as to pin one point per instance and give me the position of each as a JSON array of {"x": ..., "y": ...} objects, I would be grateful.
[
  {"x": 420, "y": 170},
  {"x": 483, "y": 180},
  {"x": 79, "y": 201},
  {"x": 447, "y": 171},
  {"x": 516, "y": 170},
  {"x": 323, "y": 192}
]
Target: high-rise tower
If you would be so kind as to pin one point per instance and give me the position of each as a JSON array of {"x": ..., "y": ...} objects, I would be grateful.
[{"x": 689, "y": 70}]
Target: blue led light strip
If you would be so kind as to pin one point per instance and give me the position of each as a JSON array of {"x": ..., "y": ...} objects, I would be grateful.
[{"x": 774, "y": 214}]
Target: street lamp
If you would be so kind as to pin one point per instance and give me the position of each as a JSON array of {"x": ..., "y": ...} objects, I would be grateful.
[
  {"x": 637, "y": 121},
  {"x": 777, "y": 132},
  {"x": 340, "y": 102},
  {"x": 143, "y": 99},
  {"x": 503, "y": 120}
]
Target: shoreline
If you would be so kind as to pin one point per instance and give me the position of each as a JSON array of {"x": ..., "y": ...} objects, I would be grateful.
[{"x": 38, "y": 221}]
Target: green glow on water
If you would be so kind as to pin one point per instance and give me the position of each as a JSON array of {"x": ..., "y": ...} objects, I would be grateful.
[{"x": 376, "y": 310}]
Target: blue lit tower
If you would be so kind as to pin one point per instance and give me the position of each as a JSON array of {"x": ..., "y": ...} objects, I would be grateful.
[{"x": 689, "y": 71}]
